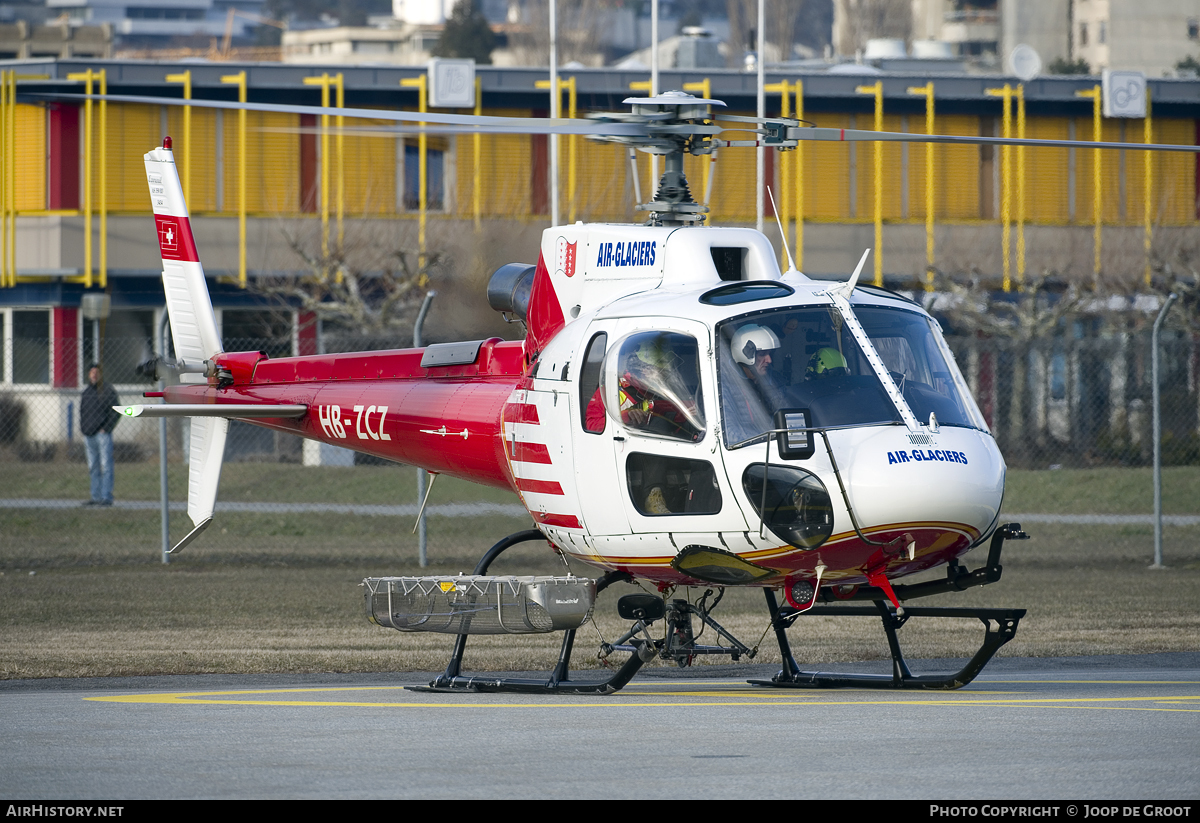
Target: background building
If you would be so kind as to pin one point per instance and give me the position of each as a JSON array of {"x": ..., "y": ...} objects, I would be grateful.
[
  {"x": 1151, "y": 36},
  {"x": 77, "y": 217}
]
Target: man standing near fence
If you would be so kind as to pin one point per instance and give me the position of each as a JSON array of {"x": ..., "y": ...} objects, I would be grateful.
[{"x": 97, "y": 419}]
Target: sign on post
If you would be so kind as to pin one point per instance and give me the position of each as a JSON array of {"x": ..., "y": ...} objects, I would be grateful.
[
  {"x": 1124, "y": 93},
  {"x": 451, "y": 83}
]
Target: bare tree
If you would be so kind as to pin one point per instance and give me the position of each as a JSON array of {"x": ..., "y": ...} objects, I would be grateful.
[
  {"x": 857, "y": 21},
  {"x": 366, "y": 285},
  {"x": 583, "y": 28},
  {"x": 1030, "y": 315},
  {"x": 787, "y": 22}
]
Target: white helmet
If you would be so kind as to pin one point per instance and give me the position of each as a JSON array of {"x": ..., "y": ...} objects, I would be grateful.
[{"x": 749, "y": 340}]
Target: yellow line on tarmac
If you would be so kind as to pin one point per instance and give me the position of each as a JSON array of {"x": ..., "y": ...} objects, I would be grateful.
[{"x": 740, "y": 697}]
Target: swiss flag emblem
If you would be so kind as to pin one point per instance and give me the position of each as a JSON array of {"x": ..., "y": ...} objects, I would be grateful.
[
  {"x": 565, "y": 257},
  {"x": 175, "y": 238},
  {"x": 168, "y": 237}
]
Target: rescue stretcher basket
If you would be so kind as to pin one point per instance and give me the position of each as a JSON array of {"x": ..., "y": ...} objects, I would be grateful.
[{"x": 480, "y": 604}]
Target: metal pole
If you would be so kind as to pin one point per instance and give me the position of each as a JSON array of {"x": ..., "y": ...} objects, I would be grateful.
[
  {"x": 798, "y": 245},
  {"x": 162, "y": 449},
  {"x": 1158, "y": 564},
  {"x": 876, "y": 89},
  {"x": 340, "y": 82},
  {"x": 1147, "y": 185},
  {"x": 572, "y": 145},
  {"x": 760, "y": 151},
  {"x": 323, "y": 81},
  {"x": 653, "y": 86},
  {"x": 1006, "y": 92},
  {"x": 1097, "y": 211},
  {"x": 926, "y": 91},
  {"x": 422, "y": 475},
  {"x": 239, "y": 80},
  {"x": 555, "y": 109},
  {"x": 103, "y": 75},
  {"x": 477, "y": 182},
  {"x": 1021, "y": 188}
]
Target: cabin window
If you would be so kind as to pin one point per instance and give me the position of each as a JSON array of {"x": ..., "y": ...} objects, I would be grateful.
[
  {"x": 591, "y": 403},
  {"x": 660, "y": 486},
  {"x": 652, "y": 385}
]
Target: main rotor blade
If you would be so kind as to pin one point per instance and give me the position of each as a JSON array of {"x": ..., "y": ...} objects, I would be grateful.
[
  {"x": 468, "y": 123},
  {"x": 778, "y": 133},
  {"x": 863, "y": 136}
]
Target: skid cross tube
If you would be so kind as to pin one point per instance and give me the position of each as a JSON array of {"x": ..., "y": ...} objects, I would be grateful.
[
  {"x": 559, "y": 680},
  {"x": 682, "y": 651}
]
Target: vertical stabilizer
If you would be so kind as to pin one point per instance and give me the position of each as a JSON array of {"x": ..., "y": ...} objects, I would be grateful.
[
  {"x": 193, "y": 328},
  {"x": 193, "y": 323}
]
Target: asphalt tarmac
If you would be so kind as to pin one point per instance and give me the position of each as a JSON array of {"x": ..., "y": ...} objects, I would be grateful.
[{"x": 1090, "y": 729}]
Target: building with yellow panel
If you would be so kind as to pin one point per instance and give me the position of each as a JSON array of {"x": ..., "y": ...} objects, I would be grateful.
[{"x": 76, "y": 199}]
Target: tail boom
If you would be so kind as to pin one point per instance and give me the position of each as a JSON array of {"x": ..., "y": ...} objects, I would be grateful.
[{"x": 445, "y": 418}]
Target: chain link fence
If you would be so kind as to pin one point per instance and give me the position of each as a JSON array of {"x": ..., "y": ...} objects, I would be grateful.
[{"x": 1077, "y": 397}]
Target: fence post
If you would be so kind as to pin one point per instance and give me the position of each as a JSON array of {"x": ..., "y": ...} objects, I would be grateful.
[
  {"x": 1157, "y": 413},
  {"x": 422, "y": 475},
  {"x": 162, "y": 450}
]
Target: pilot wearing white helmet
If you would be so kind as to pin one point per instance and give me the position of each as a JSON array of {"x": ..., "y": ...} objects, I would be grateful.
[{"x": 751, "y": 347}]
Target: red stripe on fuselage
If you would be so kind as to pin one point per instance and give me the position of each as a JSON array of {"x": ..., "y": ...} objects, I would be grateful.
[
  {"x": 566, "y": 521},
  {"x": 175, "y": 240},
  {"x": 538, "y": 486},
  {"x": 530, "y": 453}
]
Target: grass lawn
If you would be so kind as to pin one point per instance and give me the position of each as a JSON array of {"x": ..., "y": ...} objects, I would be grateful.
[
  {"x": 1102, "y": 491},
  {"x": 82, "y": 592}
]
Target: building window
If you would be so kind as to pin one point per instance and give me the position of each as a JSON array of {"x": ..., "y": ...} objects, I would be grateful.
[
  {"x": 1194, "y": 29},
  {"x": 1102, "y": 36},
  {"x": 1083, "y": 41},
  {"x": 435, "y": 164},
  {"x": 30, "y": 349}
]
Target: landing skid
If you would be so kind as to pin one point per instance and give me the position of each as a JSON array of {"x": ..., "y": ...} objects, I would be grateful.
[{"x": 1000, "y": 625}]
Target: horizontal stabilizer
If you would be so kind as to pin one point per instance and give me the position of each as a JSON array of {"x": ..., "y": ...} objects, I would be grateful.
[{"x": 226, "y": 410}]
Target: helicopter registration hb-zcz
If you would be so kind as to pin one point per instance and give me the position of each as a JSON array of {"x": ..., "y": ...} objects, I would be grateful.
[{"x": 680, "y": 412}]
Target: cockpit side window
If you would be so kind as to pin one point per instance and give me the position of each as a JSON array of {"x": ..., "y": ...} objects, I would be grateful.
[
  {"x": 591, "y": 404},
  {"x": 906, "y": 342},
  {"x": 651, "y": 385}
]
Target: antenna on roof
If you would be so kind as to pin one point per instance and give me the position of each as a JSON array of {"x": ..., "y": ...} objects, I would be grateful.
[{"x": 791, "y": 269}]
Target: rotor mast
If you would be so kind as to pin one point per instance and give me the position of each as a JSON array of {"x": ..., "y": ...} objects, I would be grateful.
[{"x": 672, "y": 118}]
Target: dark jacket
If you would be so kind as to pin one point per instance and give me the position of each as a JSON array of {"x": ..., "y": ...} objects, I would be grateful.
[{"x": 96, "y": 411}]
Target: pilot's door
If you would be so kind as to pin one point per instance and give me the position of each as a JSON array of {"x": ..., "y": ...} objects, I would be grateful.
[{"x": 660, "y": 399}]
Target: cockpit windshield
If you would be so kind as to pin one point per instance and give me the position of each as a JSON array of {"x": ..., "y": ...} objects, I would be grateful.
[{"x": 807, "y": 358}]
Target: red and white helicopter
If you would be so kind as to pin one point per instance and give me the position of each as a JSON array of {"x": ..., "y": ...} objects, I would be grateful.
[{"x": 680, "y": 412}]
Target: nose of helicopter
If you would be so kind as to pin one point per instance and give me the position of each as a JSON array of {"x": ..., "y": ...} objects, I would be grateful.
[{"x": 954, "y": 477}]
